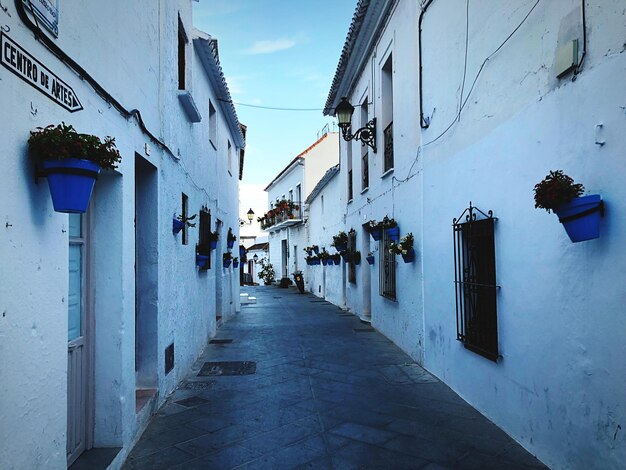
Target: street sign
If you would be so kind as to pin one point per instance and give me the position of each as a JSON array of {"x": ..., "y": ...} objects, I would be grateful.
[
  {"x": 37, "y": 75},
  {"x": 47, "y": 12}
]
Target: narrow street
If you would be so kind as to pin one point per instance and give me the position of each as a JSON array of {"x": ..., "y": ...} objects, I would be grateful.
[{"x": 327, "y": 392}]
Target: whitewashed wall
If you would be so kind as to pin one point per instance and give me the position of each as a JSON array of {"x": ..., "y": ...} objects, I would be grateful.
[
  {"x": 559, "y": 387},
  {"x": 395, "y": 193},
  {"x": 326, "y": 220},
  {"x": 33, "y": 293}
]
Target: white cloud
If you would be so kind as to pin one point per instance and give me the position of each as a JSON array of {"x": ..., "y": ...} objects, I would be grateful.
[{"x": 270, "y": 46}]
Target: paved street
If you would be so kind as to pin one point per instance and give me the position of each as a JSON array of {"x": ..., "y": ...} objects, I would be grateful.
[{"x": 327, "y": 392}]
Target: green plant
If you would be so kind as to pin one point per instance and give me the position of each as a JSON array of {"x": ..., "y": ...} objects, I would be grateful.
[
  {"x": 340, "y": 238},
  {"x": 62, "y": 141},
  {"x": 231, "y": 236},
  {"x": 214, "y": 236},
  {"x": 324, "y": 254},
  {"x": 267, "y": 271},
  {"x": 227, "y": 256},
  {"x": 186, "y": 220},
  {"x": 556, "y": 189},
  {"x": 388, "y": 223},
  {"x": 403, "y": 246}
]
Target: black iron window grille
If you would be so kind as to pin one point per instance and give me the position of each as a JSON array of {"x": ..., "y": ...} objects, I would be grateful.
[
  {"x": 475, "y": 282},
  {"x": 388, "y": 154},
  {"x": 365, "y": 182},
  {"x": 351, "y": 251},
  {"x": 387, "y": 269},
  {"x": 204, "y": 234}
]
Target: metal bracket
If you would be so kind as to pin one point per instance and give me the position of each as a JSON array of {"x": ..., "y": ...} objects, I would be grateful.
[{"x": 366, "y": 134}]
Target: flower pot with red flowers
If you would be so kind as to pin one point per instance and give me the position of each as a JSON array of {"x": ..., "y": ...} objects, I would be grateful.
[
  {"x": 580, "y": 215},
  {"x": 404, "y": 247},
  {"x": 71, "y": 162}
]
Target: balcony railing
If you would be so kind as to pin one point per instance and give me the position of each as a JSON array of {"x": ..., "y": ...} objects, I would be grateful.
[{"x": 284, "y": 215}]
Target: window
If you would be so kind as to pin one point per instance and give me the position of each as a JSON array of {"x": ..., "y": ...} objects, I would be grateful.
[
  {"x": 291, "y": 195},
  {"x": 351, "y": 251},
  {"x": 182, "y": 50},
  {"x": 475, "y": 282},
  {"x": 204, "y": 232},
  {"x": 212, "y": 125},
  {"x": 350, "y": 186},
  {"x": 230, "y": 159},
  {"x": 386, "y": 269},
  {"x": 185, "y": 214},
  {"x": 298, "y": 194},
  {"x": 387, "y": 112},
  {"x": 365, "y": 168}
]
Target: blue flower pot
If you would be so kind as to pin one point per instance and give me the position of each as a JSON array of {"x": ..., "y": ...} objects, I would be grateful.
[
  {"x": 177, "y": 226},
  {"x": 316, "y": 250},
  {"x": 235, "y": 264},
  {"x": 581, "y": 217},
  {"x": 315, "y": 262},
  {"x": 242, "y": 251},
  {"x": 337, "y": 261},
  {"x": 201, "y": 260},
  {"x": 213, "y": 244},
  {"x": 345, "y": 255},
  {"x": 370, "y": 259},
  {"x": 376, "y": 234},
  {"x": 227, "y": 263},
  {"x": 393, "y": 233},
  {"x": 341, "y": 246},
  {"x": 230, "y": 244},
  {"x": 71, "y": 183},
  {"x": 409, "y": 257}
]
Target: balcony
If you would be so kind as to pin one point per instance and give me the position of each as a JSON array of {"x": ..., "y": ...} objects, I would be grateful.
[{"x": 285, "y": 214}]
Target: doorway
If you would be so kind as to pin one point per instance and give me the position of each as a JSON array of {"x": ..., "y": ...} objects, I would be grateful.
[
  {"x": 366, "y": 278},
  {"x": 285, "y": 258},
  {"x": 146, "y": 280},
  {"x": 79, "y": 336}
]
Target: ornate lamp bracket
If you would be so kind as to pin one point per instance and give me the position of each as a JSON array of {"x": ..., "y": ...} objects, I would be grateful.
[{"x": 367, "y": 134}]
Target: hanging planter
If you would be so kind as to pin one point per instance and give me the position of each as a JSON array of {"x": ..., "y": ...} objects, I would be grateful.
[
  {"x": 340, "y": 241},
  {"x": 230, "y": 239},
  {"x": 356, "y": 257},
  {"x": 177, "y": 225},
  {"x": 235, "y": 263},
  {"x": 227, "y": 258},
  {"x": 579, "y": 215},
  {"x": 201, "y": 260},
  {"x": 213, "y": 239},
  {"x": 71, "y": 162},
  {"x": 336, "y": 259},
  {"x": 316, "y": 249},
  {"x": 370, "y": 259},
  {"x": 345, "y": 255},
  {"x": 409, "y": 256}
]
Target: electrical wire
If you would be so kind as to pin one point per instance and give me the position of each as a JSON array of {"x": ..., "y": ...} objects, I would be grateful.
[
  {"x": 465, "y": 60},
  {"x": 275, "y": 108}
]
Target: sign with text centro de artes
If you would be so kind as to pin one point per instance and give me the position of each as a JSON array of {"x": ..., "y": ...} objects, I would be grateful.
[{"x": 37, "y": 75}]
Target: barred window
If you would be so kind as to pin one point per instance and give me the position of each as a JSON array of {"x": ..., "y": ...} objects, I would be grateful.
[
  {"x": 204, "y": 233},
  {"x": 351, "y": 251},
  {"x": 386, "y": 269},
  {"x": 475, "y": 281}
]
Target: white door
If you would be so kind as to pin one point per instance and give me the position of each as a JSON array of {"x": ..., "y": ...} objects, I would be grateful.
[{"x": 77, "y": 357}]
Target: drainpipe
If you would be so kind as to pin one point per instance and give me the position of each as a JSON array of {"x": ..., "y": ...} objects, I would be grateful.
[{"x": 424, "y": 123}]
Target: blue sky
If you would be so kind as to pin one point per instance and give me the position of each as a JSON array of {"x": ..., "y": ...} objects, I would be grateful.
[{"x": 278, "y": 53}]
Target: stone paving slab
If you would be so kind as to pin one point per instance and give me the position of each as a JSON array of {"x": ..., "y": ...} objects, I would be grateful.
[{"x": 325, "y": 395}]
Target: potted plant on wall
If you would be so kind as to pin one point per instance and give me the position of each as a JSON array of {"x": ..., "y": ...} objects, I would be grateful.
[
  {"x": 71, "y": 162},
  {"x": 201, "y": 260},
  {"x": 230, "y": 239},
  {"x": 391, "y": 228},
  {"x": 325, "y": 257},
  {"x": 374, "y": 228},
  {"x": 336, "y": 258},
  {"x": 404, "y": 247},
  {"x": 235, "y": 263},
  {"x": 178, "y": 222},
  {"x": 213, "y": 239},
  {"x": 370, "y": 258},
  {"x": 227, "y": 258},
  {"x": 340, "y": 241},
  {"x": 579, "y": 215}
]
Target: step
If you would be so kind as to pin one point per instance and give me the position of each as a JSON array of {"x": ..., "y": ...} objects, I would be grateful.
[{"x": 250, "y": 300}]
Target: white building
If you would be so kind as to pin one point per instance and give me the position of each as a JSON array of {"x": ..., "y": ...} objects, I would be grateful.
[
  {"x": 113, "y": 292},
  {"x": 287, "y": 234},
  {"x": 535, "y": 90}
]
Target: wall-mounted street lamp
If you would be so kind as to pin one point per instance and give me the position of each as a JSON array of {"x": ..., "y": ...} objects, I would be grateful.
[
  {"x": 367, "y": 134},
  {"x": 255, "y": 258},
  {"x": 250, "y": 215}
]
